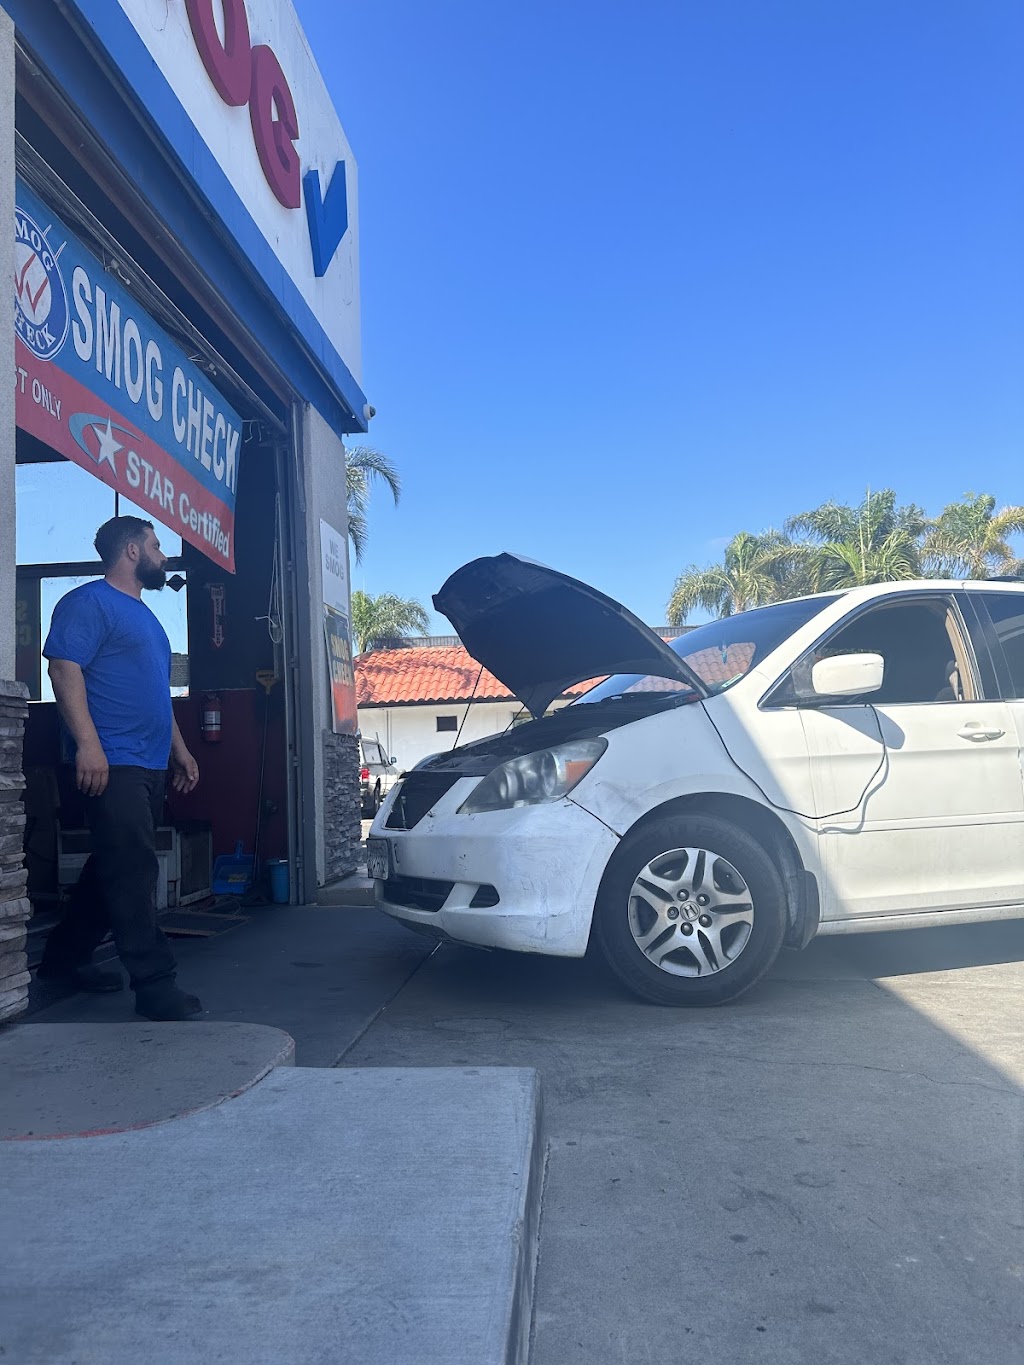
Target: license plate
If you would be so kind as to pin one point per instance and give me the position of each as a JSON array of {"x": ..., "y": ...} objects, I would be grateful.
[{"x": 378, "y": 859}]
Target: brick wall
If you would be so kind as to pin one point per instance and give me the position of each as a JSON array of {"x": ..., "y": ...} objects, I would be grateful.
[
  {"x": 341, "y": 805},
  {"x": 14, "y": 905}
]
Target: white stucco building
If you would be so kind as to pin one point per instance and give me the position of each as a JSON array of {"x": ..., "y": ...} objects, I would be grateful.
[
  {"x": 418, "y": 698},
  {"x": 427, "y": 695}
]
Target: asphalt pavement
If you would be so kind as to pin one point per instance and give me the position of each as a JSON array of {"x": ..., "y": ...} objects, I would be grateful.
[{"x": 829, "y": 1170}]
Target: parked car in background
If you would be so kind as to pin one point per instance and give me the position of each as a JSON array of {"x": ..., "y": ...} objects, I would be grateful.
[
  {"x": 828, "y": 765},
  {"x": 377, "y": 776}
]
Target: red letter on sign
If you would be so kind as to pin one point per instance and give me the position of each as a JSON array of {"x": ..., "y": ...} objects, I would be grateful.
[
  {"x": 228, "y": 64},
  {"x": 275, "y": 137}
]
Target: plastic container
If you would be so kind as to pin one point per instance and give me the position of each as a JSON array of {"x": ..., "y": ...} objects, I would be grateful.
[
  {"x": 233, "y": 872},
  {"x": 278, "y": 869}
]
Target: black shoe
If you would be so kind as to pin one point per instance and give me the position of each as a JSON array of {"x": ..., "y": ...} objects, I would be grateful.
[
  {"x": 166, "y": 1003},
  {"x": 84, "y": 978}
]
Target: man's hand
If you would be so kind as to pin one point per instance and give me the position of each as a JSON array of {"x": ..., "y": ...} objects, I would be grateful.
[
  {"x": 91, "y": 769},
  {"x": 185, "y": 771}
]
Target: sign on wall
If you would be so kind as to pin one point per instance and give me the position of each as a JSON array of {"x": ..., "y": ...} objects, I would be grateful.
[
  {"x": 337, "y": 631},
  {"x": 342, "y": 676},
  {"x": 334, "y": 565},
  {"x": 99, "y": 381},
  {"x": 245, "y": 76}
]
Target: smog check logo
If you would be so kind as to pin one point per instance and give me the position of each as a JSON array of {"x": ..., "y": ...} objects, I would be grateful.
[
  {"x": 95, "y": 436},
  {"x": 41, "y": 313}
]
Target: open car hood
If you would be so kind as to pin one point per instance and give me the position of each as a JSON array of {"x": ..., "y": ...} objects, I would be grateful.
[{"x": 539, "y": 631}]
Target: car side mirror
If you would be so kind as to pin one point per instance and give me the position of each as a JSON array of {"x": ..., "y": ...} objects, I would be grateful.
[
  {"x": 394, "y": 760},
  {"x": 844, "y": 675}
]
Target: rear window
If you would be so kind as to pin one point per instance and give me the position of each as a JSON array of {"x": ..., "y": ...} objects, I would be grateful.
[
  {"x": 721, "y": 652},
  {"x": 372, "y": 752},
  {"x": 1007, "y": 612}
]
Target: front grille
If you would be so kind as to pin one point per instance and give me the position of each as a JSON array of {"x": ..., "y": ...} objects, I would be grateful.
[
  {"x": 419, "y": 792},
  {"x": 417, "y": 893}
]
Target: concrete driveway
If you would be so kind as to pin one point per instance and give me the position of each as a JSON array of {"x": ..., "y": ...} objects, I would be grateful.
[{"x": 829, "y": 1170}]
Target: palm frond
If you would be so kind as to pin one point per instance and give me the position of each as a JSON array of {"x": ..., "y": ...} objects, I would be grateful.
[
  {"x": 364, "y": 466},
  {"x": 385, "y": 618}
]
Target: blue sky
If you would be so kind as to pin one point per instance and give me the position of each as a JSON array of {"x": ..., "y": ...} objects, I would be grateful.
[{"x": 637, "y": 277}]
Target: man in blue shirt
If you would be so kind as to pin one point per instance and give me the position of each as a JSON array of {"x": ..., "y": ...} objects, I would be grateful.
[{"x": 110, "y": 664}]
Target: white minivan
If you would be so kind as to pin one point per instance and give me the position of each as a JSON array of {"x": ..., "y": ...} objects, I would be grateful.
[{"x": 827, "y": 765}]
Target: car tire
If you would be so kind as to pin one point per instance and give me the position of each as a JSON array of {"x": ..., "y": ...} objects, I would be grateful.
[{"x": 666, "y": 946}]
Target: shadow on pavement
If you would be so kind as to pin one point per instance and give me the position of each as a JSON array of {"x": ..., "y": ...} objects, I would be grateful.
[
  {"x": 828, "y": 1170},
  {"x": 319, "y": 974}
]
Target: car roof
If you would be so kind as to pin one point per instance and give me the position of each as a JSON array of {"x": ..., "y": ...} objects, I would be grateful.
[{"x": 907, "y": 585}]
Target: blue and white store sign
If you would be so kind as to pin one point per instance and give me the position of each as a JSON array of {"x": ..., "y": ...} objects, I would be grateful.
[{"x": 232, "y": 91}]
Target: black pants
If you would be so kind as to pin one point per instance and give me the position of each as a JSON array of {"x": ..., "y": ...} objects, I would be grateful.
[{"x": 116, "y": 892}]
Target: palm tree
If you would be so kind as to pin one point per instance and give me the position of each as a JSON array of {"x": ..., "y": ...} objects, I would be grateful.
[
  {"x": 754, "y": 570},
  {"x": 875, "y": 542},
  {"x": 380, "y": 620},
  {"x": 363, "y": 465},
  {"x": 969, "y": 539}
]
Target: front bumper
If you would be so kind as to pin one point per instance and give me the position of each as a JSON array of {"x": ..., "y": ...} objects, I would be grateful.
[{"x": 543, "y": 864}]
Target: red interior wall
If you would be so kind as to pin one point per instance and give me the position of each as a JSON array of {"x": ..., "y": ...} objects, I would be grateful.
[{"x": 228, "y": 791}]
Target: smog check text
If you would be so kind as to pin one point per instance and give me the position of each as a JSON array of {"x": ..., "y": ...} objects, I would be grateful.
[
  {"x": 140, "y": 474},
  {"x": 104, "y": 337}
]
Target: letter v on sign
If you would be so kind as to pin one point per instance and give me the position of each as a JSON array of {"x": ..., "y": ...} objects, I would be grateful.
[{"x": 327, "y": 217}]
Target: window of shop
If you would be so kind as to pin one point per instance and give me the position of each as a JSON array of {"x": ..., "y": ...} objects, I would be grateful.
[{"x": 59, "y": 508}]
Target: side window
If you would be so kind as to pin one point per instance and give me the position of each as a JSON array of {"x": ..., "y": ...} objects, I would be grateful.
[
  {"x": 1007, "y": 612},
  {"x": 926, "y": 658}
]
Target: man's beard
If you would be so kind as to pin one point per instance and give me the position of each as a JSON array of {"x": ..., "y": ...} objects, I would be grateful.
[{"x": 151, "y": 576}]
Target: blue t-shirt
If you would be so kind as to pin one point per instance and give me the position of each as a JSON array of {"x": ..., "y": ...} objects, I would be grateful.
[{"x": 125, "y": 658}]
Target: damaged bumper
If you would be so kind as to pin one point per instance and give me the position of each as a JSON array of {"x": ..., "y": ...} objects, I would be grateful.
[{"x": 524, "y": 880}]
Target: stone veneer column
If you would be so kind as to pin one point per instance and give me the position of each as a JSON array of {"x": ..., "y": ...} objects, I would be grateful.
[
  {"x": 342, "y": 830},
  {"x": 14, "y": 904}
]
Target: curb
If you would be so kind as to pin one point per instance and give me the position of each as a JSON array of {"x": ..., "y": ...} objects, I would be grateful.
[{"x": 356, "y": 889}]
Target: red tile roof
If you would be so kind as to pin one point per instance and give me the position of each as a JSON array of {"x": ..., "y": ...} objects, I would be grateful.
[{"x": 401, "y": 677}]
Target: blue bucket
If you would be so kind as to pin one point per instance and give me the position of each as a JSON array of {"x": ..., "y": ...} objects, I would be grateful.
[{"x": 279, "y": 891}]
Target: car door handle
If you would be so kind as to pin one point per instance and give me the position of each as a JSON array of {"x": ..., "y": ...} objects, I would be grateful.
[{"x": 977, "y": 732}]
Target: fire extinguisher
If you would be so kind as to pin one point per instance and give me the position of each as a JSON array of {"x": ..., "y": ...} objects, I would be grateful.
[{"x": 211, "y": 718}]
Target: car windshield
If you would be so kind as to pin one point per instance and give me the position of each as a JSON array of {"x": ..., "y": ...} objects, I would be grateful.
[{"x": 719, "y": 653}]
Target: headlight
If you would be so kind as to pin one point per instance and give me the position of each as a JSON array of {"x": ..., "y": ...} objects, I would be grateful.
[{"x": 535, "y": 778}]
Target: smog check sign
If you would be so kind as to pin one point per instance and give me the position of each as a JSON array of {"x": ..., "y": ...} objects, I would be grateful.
[{"x": 101, "y": 383}]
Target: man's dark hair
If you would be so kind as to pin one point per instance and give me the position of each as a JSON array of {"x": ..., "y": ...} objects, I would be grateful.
[{"x": 116, "y": 534}]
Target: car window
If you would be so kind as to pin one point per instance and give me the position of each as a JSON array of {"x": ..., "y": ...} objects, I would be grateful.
[
  {"x": 921, "y": 643},
  {"x": 372, "y": 753},
  {"x": 1007, "y": 612},
  {"x": 721, "y": 652}
]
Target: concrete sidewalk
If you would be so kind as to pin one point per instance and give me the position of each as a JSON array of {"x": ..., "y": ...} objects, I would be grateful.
[
  {"x": 375, "y": 1217},
  {"x": 80, "y": 1080},
  {"x": 226, "y": 1206}
]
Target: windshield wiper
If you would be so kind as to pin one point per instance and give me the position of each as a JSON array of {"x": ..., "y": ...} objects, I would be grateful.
[{"x": 649, "y": 698}]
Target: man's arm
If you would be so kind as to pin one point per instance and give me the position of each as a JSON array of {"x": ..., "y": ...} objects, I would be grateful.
[
  {"x": 183, "y": 765},
  {"x": 91, "y": 769}
]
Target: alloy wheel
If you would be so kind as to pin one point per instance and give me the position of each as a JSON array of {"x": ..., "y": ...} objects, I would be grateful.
[{"x": 690, "y": 912}]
